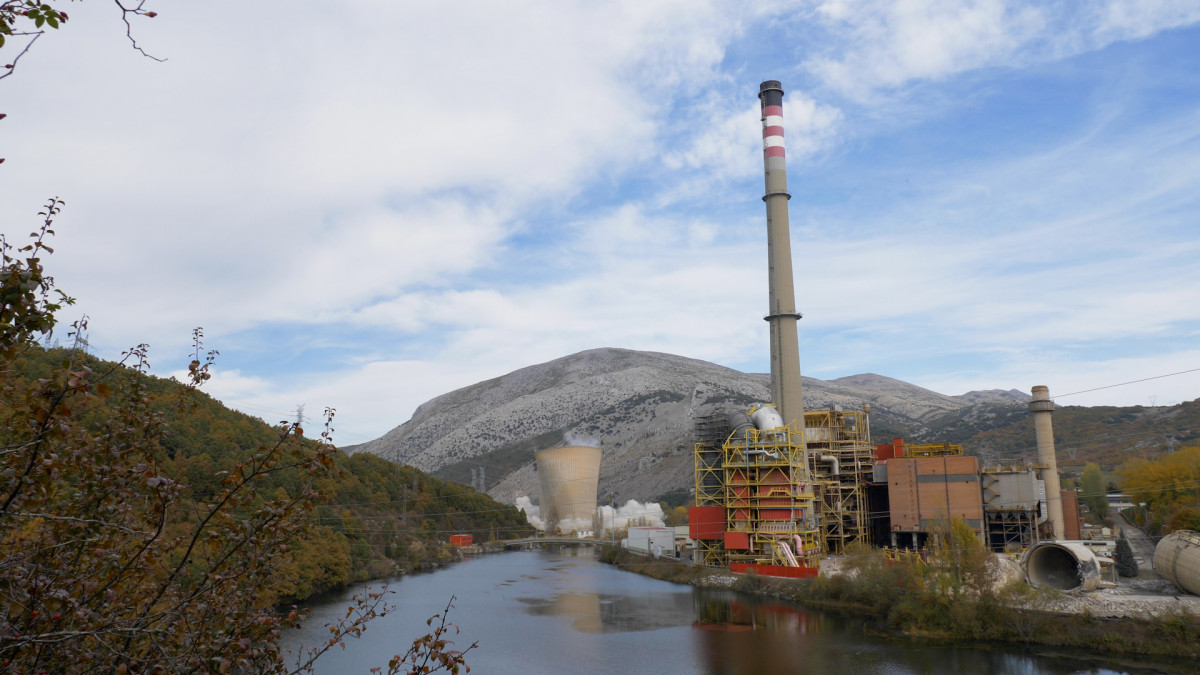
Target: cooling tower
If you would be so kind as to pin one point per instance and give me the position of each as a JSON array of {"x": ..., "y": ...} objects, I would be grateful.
[{"x": 568, "y": 477}]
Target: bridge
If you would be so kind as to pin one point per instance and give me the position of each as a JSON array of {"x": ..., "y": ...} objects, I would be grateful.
[{"x": 541, "y": 541}]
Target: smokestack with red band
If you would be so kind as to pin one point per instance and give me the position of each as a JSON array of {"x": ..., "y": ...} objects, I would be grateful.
[{"x": 782, "y": 315}]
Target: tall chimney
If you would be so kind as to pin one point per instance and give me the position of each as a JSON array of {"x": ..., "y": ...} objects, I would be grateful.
[
  {"x": 782, "y": 315},
  {"x": 1043, "y": 409}
]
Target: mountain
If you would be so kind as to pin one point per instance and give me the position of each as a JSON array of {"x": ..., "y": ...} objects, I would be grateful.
[
  {"x": 995, "y": 396},
  {"x": 638, "y": 407}
]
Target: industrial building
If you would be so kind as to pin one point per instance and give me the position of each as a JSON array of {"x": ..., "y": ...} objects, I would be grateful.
[
  {"x": 774, "y": 495},
  {"x": 778, "y": 487}
]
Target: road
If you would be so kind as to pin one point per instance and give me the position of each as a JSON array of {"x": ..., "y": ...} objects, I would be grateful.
[{"x": 1143, "y": 546}]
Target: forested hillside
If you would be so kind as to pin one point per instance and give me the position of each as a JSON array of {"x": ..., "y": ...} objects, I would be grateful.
[
  {"x": 374, "y": 517},
  {"x": 1106, "y": 435}
]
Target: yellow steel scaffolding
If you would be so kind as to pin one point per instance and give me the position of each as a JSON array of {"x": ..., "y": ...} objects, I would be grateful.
[
  {"x": 769, "y": 499},
  {"x": 934, "y": 450},
  {"x": 841, "y": 458},
  {"x": 788, "y": 496}
]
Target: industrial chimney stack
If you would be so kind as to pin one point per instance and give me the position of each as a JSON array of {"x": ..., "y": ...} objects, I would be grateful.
[
  {"x": 782, "y": 315},
  {"x": 1043, "y": 409}
]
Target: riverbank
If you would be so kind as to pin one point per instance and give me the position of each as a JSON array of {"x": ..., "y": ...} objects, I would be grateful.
[{"x": 911, "y": 603}]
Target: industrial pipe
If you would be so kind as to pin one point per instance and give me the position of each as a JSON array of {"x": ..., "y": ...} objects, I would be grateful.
[
  {"x": 1062, "y": 565},
  {"x": 766, "y": 417},
  {"x": 741, "y": 424},
  {"x": 833, "y": 461},
  {"x": 1177, "y": 559}
]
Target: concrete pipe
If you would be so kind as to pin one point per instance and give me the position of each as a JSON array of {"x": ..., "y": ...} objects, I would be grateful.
[
  {"x": 1177, "y": 559},
  {"x": 1062, "y": 565},
  {"x": 740, "y": 422}
]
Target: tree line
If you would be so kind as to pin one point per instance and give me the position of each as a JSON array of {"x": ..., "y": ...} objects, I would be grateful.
[{"x": 146, "y": 528}]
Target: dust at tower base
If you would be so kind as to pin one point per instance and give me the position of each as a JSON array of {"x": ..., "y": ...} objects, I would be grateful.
[
  {"x": 568, "y": 479},
  {"x": 786, "y": 392}
]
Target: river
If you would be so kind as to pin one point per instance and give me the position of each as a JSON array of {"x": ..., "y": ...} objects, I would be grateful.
[{"x": 561, "y": 611}]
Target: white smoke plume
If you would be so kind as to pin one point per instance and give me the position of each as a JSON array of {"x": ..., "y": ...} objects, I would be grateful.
[
  {"x": 572, "y": 438},
  {"x": 632, "y": 514},
  {"x": 533, "y": 514}
]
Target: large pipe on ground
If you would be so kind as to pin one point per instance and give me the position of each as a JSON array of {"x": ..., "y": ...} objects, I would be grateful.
[
  {"x": 1043, "y": 409},
  {"x": 1177, "y": 559},
  {"x": 1063, "y": 565},
  {"x": 782, "y": 315}
]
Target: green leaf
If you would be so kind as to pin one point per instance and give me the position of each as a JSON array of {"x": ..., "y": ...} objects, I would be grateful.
[{"x": 52, "y": 21}]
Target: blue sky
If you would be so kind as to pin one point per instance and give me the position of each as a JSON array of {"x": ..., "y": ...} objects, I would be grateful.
[{"x": 368, "y": 208}]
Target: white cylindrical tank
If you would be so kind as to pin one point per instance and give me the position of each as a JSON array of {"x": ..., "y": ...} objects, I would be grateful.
[
  {"x": 1177, "y": 559},
  {"x": 568, "y": 477}
]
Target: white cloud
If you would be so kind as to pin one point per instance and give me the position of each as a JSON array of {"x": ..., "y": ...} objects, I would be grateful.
[
  {"x": 483, "y": 187},
  {"x": 881, "y": 45}
]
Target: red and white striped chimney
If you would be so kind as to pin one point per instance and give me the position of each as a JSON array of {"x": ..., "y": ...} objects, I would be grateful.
[{"x": 786, "y": 391}]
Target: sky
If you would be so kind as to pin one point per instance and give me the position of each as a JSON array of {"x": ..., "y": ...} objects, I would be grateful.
[{"x": 368, "y": 207}]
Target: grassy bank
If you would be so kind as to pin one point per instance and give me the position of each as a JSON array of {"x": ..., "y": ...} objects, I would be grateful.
[{"x": 920, "y": 603}]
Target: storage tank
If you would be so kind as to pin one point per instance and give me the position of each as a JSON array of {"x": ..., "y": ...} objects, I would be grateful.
[
  {"x": 1177, "y": 559},
  {"x": 569, "y": 477}
]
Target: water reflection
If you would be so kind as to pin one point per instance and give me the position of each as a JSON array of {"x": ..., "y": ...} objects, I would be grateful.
[
  {"x": 560, "y": 612},
  {"x": 612, "y": 613},
  {"x": 740, "y": 635}
]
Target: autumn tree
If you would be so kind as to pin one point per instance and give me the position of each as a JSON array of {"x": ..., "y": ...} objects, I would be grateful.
[
  {"x": 1169, "y": 487},
  {"x": 22, "y": 22},
  {"x": 105, "y": 565},
  {"x": 676, "y": 516},
  {"x": 959, "y": 561},
  {"x": 1091, "y": 491}
]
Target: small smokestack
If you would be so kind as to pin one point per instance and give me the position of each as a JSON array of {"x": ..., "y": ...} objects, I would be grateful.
[
  {"x": 786, "y": 393},
  {"x": 1043, "y": 409}
]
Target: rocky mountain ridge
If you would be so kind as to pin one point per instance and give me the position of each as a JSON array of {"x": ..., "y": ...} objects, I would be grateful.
[{"x": 639, "y": 408}]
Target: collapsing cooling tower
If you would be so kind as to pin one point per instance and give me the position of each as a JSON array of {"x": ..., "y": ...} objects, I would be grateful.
[{"x": 568, "y": 477}]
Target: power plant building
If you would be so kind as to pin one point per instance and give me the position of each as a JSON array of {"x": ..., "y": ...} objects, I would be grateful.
[
  {"x": 778, "y": 487},
  {"x": 926, "y": 493}
]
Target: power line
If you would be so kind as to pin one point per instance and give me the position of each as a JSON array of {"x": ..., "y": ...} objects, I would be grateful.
[{"x": 1122, "y": 384}]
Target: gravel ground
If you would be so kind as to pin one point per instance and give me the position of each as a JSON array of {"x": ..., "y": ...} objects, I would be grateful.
[{"x": 1141, "y": 597}]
